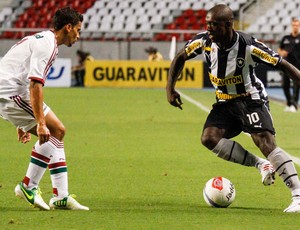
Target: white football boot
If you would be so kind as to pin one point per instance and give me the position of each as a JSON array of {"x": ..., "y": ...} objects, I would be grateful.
[
  {"x": 267, "y": 172},
  {"x": 67, "y": 202},
  {"x": 33, "y": 196},
  {"x": 294, "y": 206}
]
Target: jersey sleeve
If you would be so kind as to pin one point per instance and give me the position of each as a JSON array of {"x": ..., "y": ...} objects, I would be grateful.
[
  {"x": 41, "y": 58},
  {"x": 195, "y": 46},
  {"x": 260, "y": 53}
]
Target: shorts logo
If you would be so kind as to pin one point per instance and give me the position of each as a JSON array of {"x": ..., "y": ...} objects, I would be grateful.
[{"x": 240, "y": 62}]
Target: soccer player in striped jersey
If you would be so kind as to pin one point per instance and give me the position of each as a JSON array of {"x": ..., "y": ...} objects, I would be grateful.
[
  {"x": 241, "y": 99},
  {"x": 23, "y": 73}
]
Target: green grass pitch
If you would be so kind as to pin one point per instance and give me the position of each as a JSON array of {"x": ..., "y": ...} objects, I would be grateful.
[{"x": 137, "y": 162}]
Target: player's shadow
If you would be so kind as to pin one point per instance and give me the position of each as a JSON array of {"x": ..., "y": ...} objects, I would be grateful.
[{"x": 156, "y": 206}]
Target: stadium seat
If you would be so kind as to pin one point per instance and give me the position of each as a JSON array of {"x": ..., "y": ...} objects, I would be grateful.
[
  {"x": 235, "y": 6},
  {"x": 208, "y": 5},
  {"x": 93, "y": 19},
  {"x": 130, "y": 26},
  {"x": 136, "y": 5},
  {"x": 197, "y": 6},
  {"x": 173, "y": 5},
  {"x": 266, "y": 28},
  {"x": 184, "y": 5},
  {"x": 121, "y": 15},
  {"x": 112, "y": 4},
  {"x": 92, "y": 26},
  {"x": 160, "y": 37},
  {"x": 92, "y": 11},
  {"x": 107, "y": 19},
  {"x": 124, "y": 5},
  {"x": 149, "y": 5},
  {"x": 253, "y": 29},
  {"x": 274, "y": 21},
  {"x": 290, "y": 5},
  {"x": 161, "y": 5},
  {"x": 145, "y": 27},
  {"x": 115, "y": 12},
  {"x": 117, "y": 26},
  {"x": 152, "y": 12},
  {"x": 287, "y": 21},
  {"x": 279, "y": 28},
  {"x": 140, "y": 11},
  {"x": 100, "y": 4},
  {"x": 156, "y": 19},
  {"x": 262, "y": 20},
  {"x": 143, "y": 19},
  {"x": 271, "y": 13},
  {"x": 127, "y": 11}
]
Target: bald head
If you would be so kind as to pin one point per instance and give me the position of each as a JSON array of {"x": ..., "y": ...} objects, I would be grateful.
[
  {"x": 220, "y": 13},
  {"x": 219, "y": 22}
]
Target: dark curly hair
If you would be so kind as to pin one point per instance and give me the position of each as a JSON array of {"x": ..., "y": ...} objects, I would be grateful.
[{"x": 65, "y": 16}]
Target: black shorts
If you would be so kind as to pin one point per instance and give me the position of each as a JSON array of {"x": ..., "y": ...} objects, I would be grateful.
[{"x": 241, "y": 114}]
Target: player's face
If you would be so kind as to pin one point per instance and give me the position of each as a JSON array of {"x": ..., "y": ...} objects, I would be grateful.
[
  {"x": 217, "y": 29},
  {"x": 73, "y": 34}
]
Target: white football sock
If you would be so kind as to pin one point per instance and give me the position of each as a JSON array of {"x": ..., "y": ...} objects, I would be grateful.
[
  {"x": 40, "y": 158},
  {"x": 58, "y": 169}
]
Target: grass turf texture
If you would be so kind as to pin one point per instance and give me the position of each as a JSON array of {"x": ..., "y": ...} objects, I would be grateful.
[{"x": 137, "y": 162}]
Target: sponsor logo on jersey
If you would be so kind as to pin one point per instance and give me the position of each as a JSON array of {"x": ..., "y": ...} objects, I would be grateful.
[
  {"x": 37, "y": 36},
  {"x": 225, "y": 96},
  {"x": 206, "y": 48},
  {"x": 265, "y": 56},
  {"x": 226, "y": 81},
  {"x": 192, "y": 47}
]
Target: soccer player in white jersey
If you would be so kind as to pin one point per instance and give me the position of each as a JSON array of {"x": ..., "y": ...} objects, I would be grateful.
[
  {"x": 241, "y": 99},
  {"x": 23, "y": 73}
]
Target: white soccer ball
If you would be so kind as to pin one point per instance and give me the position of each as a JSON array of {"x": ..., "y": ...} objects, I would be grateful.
[{"x": 219, "y": 192}]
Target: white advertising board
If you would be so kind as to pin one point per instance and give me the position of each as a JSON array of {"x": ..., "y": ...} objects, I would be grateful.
[{"x": 60, "y": 73}]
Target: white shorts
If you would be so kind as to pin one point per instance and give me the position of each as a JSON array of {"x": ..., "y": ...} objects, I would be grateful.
[{"x": 18, "y": 111}]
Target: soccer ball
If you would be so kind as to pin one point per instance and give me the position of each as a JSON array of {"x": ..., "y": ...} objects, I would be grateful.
[{"x": 219, "y": 192}]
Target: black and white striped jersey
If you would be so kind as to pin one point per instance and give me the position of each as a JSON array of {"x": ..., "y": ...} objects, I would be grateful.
[{"x": 231, "y": 71}]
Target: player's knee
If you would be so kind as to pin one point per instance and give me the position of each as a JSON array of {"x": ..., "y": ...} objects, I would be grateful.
[
  {"x": 59, "y": 132},
  {"x": 209, "y": 141}
]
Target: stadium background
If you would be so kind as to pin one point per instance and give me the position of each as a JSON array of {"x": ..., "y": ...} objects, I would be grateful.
[{"x": 122, "y": 29}]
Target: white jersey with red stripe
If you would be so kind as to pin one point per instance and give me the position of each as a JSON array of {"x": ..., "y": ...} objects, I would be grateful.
[{"x": 30, "y": 58}]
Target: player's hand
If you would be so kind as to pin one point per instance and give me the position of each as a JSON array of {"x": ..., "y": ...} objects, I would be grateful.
[
  {"x": 23, "y": 137},
  {"x": 174, "y": 98},
  {"x": 43, "y": 133}
]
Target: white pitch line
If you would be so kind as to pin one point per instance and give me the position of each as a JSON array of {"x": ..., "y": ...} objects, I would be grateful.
[{"x": 296, "y": 160}]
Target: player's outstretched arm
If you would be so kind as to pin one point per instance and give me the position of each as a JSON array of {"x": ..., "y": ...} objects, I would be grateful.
[
  {"x": 174, "y": 72},
  {"x": 290, "y": 70}
]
